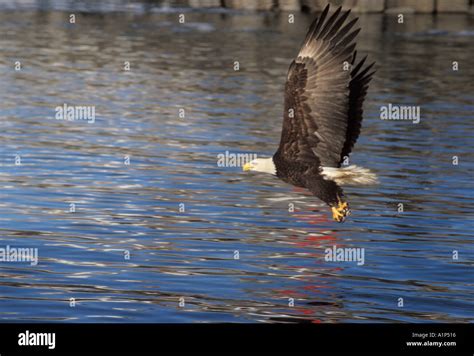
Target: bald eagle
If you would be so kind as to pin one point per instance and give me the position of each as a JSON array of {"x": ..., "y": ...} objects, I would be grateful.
[{"x": 324, "y": 92}]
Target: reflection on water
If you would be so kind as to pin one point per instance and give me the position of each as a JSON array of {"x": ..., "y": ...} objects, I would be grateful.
[{"x": 188, "y": 251}]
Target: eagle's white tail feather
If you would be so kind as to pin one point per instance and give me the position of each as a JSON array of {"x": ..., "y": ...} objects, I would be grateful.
[{"x": 350, "y": 175}]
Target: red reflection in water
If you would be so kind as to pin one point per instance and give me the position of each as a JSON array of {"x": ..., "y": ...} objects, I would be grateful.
[{"x": 318, "y": 240}]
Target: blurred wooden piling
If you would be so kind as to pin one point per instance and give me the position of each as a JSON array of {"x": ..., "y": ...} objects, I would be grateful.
[{"x": 359, "y": 6}]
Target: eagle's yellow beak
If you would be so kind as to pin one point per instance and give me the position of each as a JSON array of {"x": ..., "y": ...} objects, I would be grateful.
[{"x": 246, "y": 167}]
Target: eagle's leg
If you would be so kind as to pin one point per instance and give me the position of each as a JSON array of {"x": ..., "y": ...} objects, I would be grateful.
[
  {"x": 340, "y": 211},
  {"x": 328, "y": 191}
]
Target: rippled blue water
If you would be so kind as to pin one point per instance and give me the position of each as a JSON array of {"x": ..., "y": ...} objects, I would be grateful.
[{"x": 187, "y": 252}]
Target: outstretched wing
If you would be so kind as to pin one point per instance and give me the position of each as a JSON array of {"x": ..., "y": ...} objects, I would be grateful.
[
  {"x": 317, "y": 93},
  {"x": 358, "y": 86}
]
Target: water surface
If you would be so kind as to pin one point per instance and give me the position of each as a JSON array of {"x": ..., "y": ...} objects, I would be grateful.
[{"x": 181, "y": 217}]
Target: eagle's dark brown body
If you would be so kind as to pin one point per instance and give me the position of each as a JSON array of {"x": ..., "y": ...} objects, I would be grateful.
[{"x": 307, "y": 177}]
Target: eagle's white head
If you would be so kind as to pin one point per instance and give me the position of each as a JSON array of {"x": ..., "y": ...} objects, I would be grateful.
[{"x": 264, "y": 165}]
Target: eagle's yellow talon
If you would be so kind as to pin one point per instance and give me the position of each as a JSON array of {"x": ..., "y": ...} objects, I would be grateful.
[{"x": 340, "y": 212}]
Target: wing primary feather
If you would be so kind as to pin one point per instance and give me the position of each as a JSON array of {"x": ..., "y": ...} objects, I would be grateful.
[
  {"x": 366, "y": 69},
  {"x": 343, "y": 31},
  {"x": 369, "y": 76},
  {"x": 354, "y": 57},
  {"x": 348, "y": 39},
  {"x": 329, "y": 23},
  {"x": 337, "y": 25},
  {"x": 358, "y": 66},
  {"x": 316, "y": 25}
]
